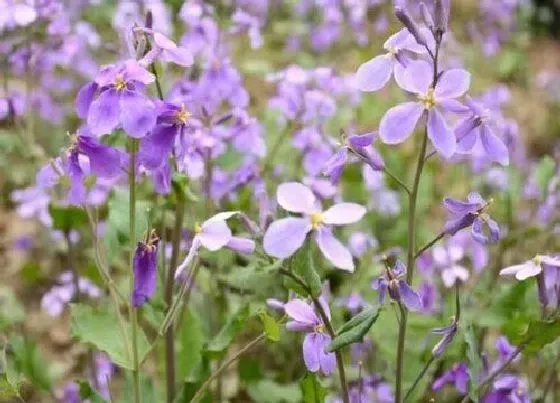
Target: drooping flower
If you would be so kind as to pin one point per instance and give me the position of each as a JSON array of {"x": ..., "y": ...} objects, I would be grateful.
[
  {"x": 104, "y": 161},
  {"x": 376, "y": 73},
  {"x": 119, "y": 101},
  {"x": 145, "y": 270},
  {"x": 471, "y": 213},
  {"x": 447, "y": 333},
  {"x": 392, "y": 282},
  {"x": 458, "y": 375},
  {"x": 304, "y": 319},
  {"x": 531, "y": 268},
  {"x": 214, "y": 234},
  {"x": 399, "y": 122},
  {"x": 477, "y": 126},
  {"x": 287, "y": 235}
]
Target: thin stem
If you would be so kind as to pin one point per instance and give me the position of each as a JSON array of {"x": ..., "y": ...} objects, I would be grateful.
[
  {"x": 400, "y": 353},
  {"x": 429, "y": 245},
  {"x": 200, "y": 392},
  {"x": 158, "y": 84},
  {"x": 133, "y": 313},
  {"x": 551, "y": 378},
  {"x": 397, "y": 180},
  {"x": 419, "y": 377}
]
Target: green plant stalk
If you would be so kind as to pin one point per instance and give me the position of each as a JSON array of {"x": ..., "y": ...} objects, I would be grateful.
[{"x": 133, "y": 313}]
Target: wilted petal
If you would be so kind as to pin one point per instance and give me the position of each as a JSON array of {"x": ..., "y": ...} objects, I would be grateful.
[
  {"x": 494, "y": 147},
  {"x": 343, "y": 213},
  {"x": 439, "y": 133},
  {"x": 452, "y": 84},
  {"x": 285, "y": 236},
  {"x": 295, "y": 197},
  {"x": 374, "y": 74},
  {"x": 214, "y": 235},
  {"x": 145, "y": 273},
  {"x": 399, "y": 122},
  {"x": 301, "y": 311},
  {"x": 333, "y": 250},
  {"x": 137, "y": 113},
  {"x": 103, "y": 115},
  {"x": 311, "y": 349},
  {"x": 409, "y": 297},
  {"x": 84, "y": 99}
]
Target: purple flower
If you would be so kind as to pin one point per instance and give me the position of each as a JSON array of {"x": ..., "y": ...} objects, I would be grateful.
[
  {"x": 531, "y": 268},
  {"x": 447, "y": 258},
  {"x": 447, "y": 333},
  {"x": 508, "y": 388},
  {"x": 71, "y": 393},
  {"x": 54, "y": 301},
  {"x": 399, "y": 122},
  {"x": 457, "y": 375},
  {"x": 477, "y": 126},
  {"x": 304, "y": 319},
  {"x": 471, "y": 213},
  {"x": 376, "y": 73},
  {"x": 360, "y": 242},
  {"x": 145, "y": 270},
  {"x": 360, "y": 145},
  {"x": 287, "y": 235},
  {"x": 393, "y": 283},
  {"x": 104, "y": 161},
  {"x": 166, "y": 50},
  {"x": 214, "y": 234},
  {"x": 120, "y": 100}
]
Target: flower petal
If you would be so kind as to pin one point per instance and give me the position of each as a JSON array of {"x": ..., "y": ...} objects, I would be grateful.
[
  {"x": 301, "y": 311},
  {"x": 417, "y": 76},
  {"x": 399, "y": 122},
  {"x": 103, "y": 114},
  {"x": 440, "y": 134},
  {"x": 452, "y": 84},
  {"x": 333, "y": 249},
  {"x": 157, "y": 146},
  {"x": 137, "y": 113},
  {"x": 375, "y": 73},
  {"x": 327, "y": 360},
  {"x": 214, "y": 235},
  {"x": 296, "y": 197},
  {"x": 311, "y": 348},
  {"x": 409, "y": 297},
  {"x": 85, "y": 98},
  {"x": 285, "y": 236},
  {"x": 343, "y": 213},
  {"x": 528, "y": 270},
  {"x": 494, "y": 147},
  {"x": 513, "y": 270}
]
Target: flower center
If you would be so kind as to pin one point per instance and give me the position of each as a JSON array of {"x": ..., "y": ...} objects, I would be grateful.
[
  {"x": 316, "y": 220},
  {"x": 537, "y": 260},
  {"x": 183, "y": 115},
  {"x": 320, "y": 328},
  {"x": 428, "y": 99},
  {"x": 197, "y": 228},
  {"x": 120, "y": 84}
]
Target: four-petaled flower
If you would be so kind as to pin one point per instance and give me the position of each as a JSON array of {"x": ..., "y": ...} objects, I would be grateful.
[
  {"x": 471, "y": 213},
  {"x": 399, "y": 122},
  {"x": 145, "y": 270},
  {"x": 392, "y": 282},
  {"x": 304, "y": 319},
  {"x": 287, "y": 235},
  {"x": 531, "y": 268}
]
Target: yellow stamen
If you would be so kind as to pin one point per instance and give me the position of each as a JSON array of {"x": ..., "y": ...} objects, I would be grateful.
[
  {"x": 319, "y": 328},
  {"x": 316, "y": 220},
  {"x": 183, "y": 115},
  {"x": 120, "y": 84},
  {"x": 197, "y": 228},
  {"x": 428, "y": 99}
]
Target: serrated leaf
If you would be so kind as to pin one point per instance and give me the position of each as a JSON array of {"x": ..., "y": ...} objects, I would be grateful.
[
  {"x": 99, "y": 326},
  {"x": 271, "y": 327},
  {"x": 355, "y": 329},
  {"x": 224, "y": 338},
  {"x": 302, "y": 264},
  {"x": 311, "y": 389}
]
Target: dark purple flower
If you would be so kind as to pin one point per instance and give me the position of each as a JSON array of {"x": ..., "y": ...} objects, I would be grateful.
[
  {"x": 392, "y": 282},
  {"x": 471, "y": 213},
  {"x": 508, "y": 389},
  {"x": 457, "y": 375},
  {"x": 104, "y": 161},
  {"x": 145, "y": 270}
]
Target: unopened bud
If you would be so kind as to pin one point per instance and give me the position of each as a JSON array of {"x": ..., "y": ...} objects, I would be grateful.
[
  {"x": 411, "y": 25},
  {"x": 427, "y": 16},
  {"x": 441, "y": 15},
  {"x": 149, "y": 19}
]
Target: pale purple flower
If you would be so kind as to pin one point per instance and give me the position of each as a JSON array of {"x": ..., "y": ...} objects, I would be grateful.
[
  {"x": 471, "y": 214},
  {"x": 446, "y": 259},
  {"x": 287, "y": 235},
  {"x": 17, "y": 14},
  {"x": 360, "y": 242},
  {"x": 399, "y": 122},
  {"x": 477, "y": 127},
  {"x": 531, "y": 268},
  {"x": 166, "y": 50},
  {"x": 214, "y": 234},
  {"x": 304, "y": 319},
  {"x": 393, "y": 283},
  {"x": 458, "y": 375},
  {"x": 55, "y": 300},
  {"x": 376, "y": 73}
]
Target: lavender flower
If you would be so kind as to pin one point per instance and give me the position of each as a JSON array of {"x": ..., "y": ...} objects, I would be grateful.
[
  {"x": 119, "y": 100},
  {"x": 104, "y": 161},
  {"x": 447, "y": 333},
  {"x": 166, "y": 50},
  {"x": 531, "y": 268},
  {"x": 304, "y": 319},
  {"x": 286, "y": 235},
  {"x": 447, "y": 258},
  {"x": 508, "y": 388},
  {"x": 393, "y": 283},
  {"x": 458, "y": 375},
  {"x": 471, "y": 213},
  {"x": 145, "y": 270},
  {"x": 399, "y": 122},
  {"x": 376, "y": 73},
  {"x": 54, "y": 301},
  {"x": 360, "y": 242}
]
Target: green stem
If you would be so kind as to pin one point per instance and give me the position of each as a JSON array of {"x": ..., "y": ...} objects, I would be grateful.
[
  {"x": 429, "y": 245},
  {"x": 133, "y": 313},
  {"x": 397, "y": 180},
  {"x": 419, "y": 377}
]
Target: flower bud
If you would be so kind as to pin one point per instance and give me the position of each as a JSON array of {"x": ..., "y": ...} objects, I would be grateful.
[
  {"x": 427, "y": 16},
  {"x": 441, "y": 15},
  {"x": 411, "y": 25}
]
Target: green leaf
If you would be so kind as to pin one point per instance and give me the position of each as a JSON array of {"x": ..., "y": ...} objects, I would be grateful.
[
  {"x": 271, "y": 326},
  {"x": 29, "y": 361},
  {"x": 87, "y": 392},
  {"x": 100, "y": 326},
  {"x": 217, "y": 346},
  {"x": 355, "y": 329},
  {"x": 9, "y": 388},
  {"x": 11, "y": 311},
  {"x": 544, "y": 172},
  {"x": 302, "y": 265},
  {"x": 537, "y": 335},
  {"x": 475, "y": 361},
  {"x": 267, "y": 391},
  {"x": 311, "y": 389},
  {"x": 66, "y": 218},
  {"x": 191, "y": 343}
]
